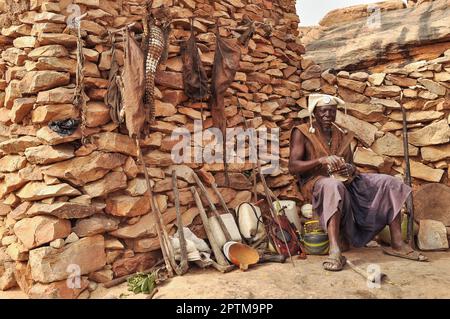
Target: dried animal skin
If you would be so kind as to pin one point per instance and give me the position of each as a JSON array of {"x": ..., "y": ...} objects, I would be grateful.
[
  {"x": 133, "y": 87},
  {"x": 226, "y": 64},
  {"x": 113, "y": 97},
  {"x": 155, "y": 49},
  {"x": 194, "y": 74}
]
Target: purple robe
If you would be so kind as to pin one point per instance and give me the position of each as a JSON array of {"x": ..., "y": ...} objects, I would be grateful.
[{"x": 367, "y": 204}]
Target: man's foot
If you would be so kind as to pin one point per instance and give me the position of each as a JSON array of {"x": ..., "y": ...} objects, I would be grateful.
[
  {"x": 404, "y": 251},
  {"x": 334, "y": 262}
]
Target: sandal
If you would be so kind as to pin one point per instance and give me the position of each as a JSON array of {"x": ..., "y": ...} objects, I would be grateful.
[
  {"x": 411, "y": 255},
  {"x": 333, "y": 263}
]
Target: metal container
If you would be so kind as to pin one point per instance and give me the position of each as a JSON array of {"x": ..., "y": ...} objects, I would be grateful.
[{"x": 316, "y": 243}]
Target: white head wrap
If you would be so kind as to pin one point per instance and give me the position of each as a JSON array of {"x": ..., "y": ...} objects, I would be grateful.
[{"x": 320, "y": 100}]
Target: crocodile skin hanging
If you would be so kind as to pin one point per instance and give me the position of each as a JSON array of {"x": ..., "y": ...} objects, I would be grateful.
[{"x": 155, "y": 48}]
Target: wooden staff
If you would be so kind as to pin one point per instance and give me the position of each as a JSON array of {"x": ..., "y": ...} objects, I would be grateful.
[
  {"x": 221, "y": 260},
  {"x": 266, "y": 189},
  {"x": 213, "y": 207},
  {"x": 254, "y": 188},
  {"x": 222, "y": 200},
  {"x": 161, "y": 231},
  {"x": 184, "y": 266},
  {"x": 409, "y": 200},
  {"x": 274, "y": 214}
]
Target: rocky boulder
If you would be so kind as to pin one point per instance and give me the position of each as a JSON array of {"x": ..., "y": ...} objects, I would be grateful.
[
  {"x": 432, "y": 235},
  {"x": 367, "y": 157},
  {"x": 364, "y": 131},
  {"x": 96, "y": 224},
  {"x": 35, "y": 191},
  {"x": 145, "y": 227},
  {"x": 49, "y": 264},
  {"x": 19, "y": 145},
  {"x": 138, "y": 262},
  {"x": 422, "y": 171},
  {"x": 433, "y": 134},
  {"x": 36, "y": 81},
  {"x": 127, "y": 206},
  {"x": 113, "y": 142},
  {"x": 435, "y": 153},
  {"x": 7, "y": 280},
  {"x": 391, "y": 145},
  {"x": 21, "y": 108},
  {"x": 112, "y": 182},
  {"x": 12, "y": 163},
  {"x": 82, "y": 170},
  {"x": 64, "y": 210},
  {"x": 52, "y": 138},
  {"x": 53, "y": 112},
  {"x": 46, "y": 154},
  {"x": 58, "y": 289},
  {"x": 39, "y": 230},
  {"x": 59, "y": 95}
]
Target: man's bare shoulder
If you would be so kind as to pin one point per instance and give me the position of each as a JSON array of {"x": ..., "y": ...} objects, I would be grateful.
[{"x": 301, "y": 127}]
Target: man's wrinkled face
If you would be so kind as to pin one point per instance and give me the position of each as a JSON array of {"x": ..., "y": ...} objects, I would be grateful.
[{"x": 325, "y": 115}]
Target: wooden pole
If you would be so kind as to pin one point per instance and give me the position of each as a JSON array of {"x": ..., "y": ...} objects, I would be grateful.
[
  {"x": 222, "y": 200},
  {"x": 221, "y": 260},
  {"x": 155, "y": 209},
  {"x": 184, "y": 266},
  {"x": 409, "y": 200},
  {"x": 272, "y": 210},
  {"x": 213, "y": 207},
  {"x": 266, "y": 189}
]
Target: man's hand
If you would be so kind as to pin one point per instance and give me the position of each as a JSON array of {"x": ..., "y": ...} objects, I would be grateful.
[
  {"x": 348, "y": 170},
  {"x": 333, "y": 162}
]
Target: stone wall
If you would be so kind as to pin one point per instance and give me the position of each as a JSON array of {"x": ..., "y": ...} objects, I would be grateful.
[
  {"x": 64, "y": 203},
  {"x": 374, "y": 114},
  {"x": 372, "y": 38}
]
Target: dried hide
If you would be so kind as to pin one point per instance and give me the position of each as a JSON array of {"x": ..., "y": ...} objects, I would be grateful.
[
  {"x": 113, "y": 97},
  {"x": 134, "y": 85},
  {"x": 194, "y": 74},
  {"x": 226, "y": 64}
]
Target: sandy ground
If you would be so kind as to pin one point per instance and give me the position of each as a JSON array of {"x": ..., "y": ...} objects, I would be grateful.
[{"x": 407, "y": 279}]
